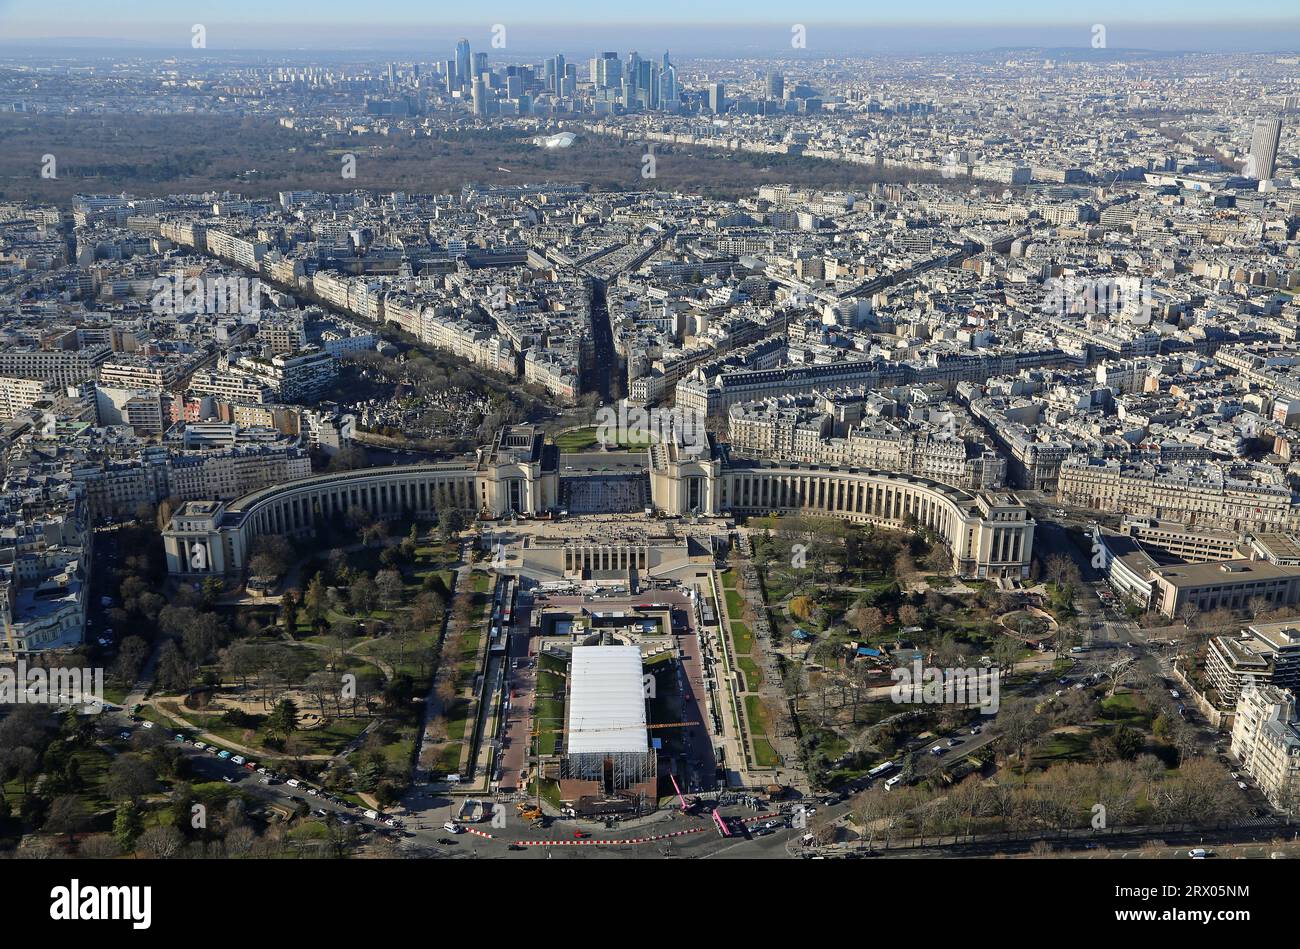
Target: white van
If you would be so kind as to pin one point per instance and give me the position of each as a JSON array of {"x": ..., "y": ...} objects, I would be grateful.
[
  {"x": 889, "y": 784},
  {"x": 238, "y": 759},
  {"x": 373, "y": 815},
  {"x": 293, "y": 783},
  {"x": 451, "y": 827}
]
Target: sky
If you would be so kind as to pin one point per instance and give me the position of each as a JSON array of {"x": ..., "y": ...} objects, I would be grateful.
[{"x": 714, "y": 26}]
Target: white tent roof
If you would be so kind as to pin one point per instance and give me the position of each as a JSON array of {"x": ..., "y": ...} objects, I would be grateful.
[{"x": 606, "y": 700}]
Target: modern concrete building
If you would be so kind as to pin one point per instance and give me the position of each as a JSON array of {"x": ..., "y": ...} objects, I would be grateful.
[
  {"x": 1227, "y": 584},
  {"x": 1263, "y": 149},
  {"x": 1265, "y": 653}
]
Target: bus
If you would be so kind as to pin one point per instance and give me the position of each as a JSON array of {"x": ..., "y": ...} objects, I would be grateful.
[{"x": 880, "y": 769}]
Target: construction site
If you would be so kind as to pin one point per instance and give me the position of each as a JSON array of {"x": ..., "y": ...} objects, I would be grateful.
[{"x": 609, "y": 710}]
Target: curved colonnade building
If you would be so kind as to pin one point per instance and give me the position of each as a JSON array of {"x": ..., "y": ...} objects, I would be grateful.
[{"x": 990, "y": 534}]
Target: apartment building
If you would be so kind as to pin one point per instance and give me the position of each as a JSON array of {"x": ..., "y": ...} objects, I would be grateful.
[
  {"x": 1237, "y": 498},
  {"x": 1266, "y": 740},
  {"x": 17, "y": 395},
  {"x": 1267, "y": 653},
  {"x": 63, "y": 367},
  {"x": 134, "y": 371},
  {"x": 232, "y": 386},
  {"x": 295, "y": 377}
]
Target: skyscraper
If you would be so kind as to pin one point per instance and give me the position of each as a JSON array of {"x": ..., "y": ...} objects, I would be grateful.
[
  {"x": 668, "y": 88},
  {"x": 1263, "y": 149},
  {"x": 462, "y": 64},
  {"x": 717, "y": 98},
  {"x": 775, "y": 85}
]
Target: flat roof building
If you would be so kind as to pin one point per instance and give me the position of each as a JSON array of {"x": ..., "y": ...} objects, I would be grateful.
[
  {"x": 1228, "y": 584},
  {"x": 607, "y": 753}
]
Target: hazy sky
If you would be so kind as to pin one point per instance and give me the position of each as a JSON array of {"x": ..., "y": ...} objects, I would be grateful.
[{"x": 712, "y": 26}]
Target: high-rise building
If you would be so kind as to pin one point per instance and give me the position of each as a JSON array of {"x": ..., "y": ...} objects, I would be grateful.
[
  {"x": 668, "y": 88},
  {"x": 479, "y": 92},
  {"x": 480, "y": 65},
  {"x": 462, "y": 64},
  {"x": 1263, "y": 149},
  {"x": 717, "y": 98},
  {"x": 632, "y": 71},
  {"x": 606, "y": 71},
  {"x": 775, "y": 85}
]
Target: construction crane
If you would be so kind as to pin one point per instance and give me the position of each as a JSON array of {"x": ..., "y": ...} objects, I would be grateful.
[
  {"x": 566, "y": 729},
  {"x": 605, "y": 728},
  {"x": 688, "y": 803}
]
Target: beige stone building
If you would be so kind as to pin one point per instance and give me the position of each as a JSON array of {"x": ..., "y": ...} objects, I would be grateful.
[{"x": 1266, "y": 740}]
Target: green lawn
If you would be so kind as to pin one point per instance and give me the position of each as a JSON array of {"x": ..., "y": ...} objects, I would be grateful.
[
  {"x": 549, "y": 716},
  {"x": 583, "y": 439},
  {"x": 742, "y": 638},
  {"x": 1067, "y": 746},
  {"x": 764, "y": 755}
]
